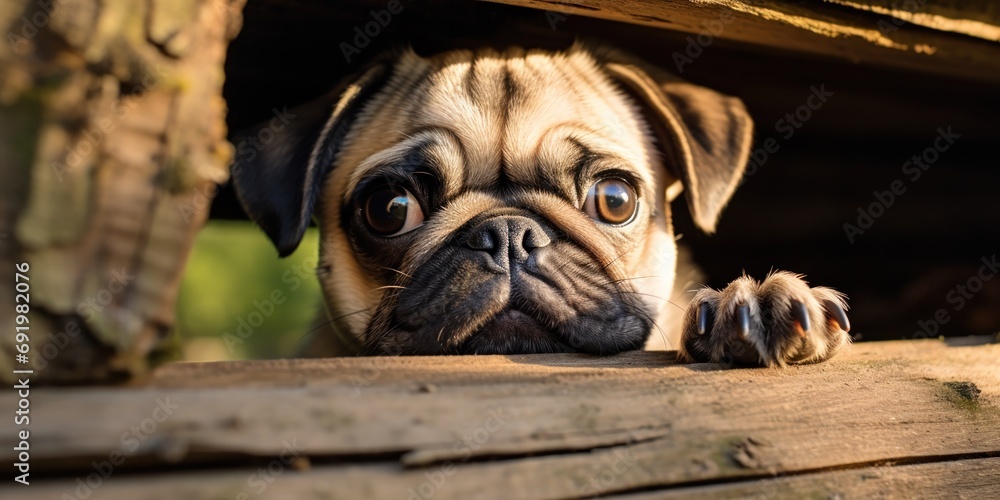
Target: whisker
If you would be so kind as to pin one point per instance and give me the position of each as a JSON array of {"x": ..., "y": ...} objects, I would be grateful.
[
  {"x": 622, "y": 280},
  {"x": 403, "y": 133},
  {"x": 624, "y": 252},
  {"x": 663, "y": 335},
  {"x": 338, "y": 318},
  {"x": 656, "y": 297},
  {"x": 374, "y": 341},
  {"x": 349, "y": 344},
  {"x": 644, "y": 314},
  {"x": 387, "y": 268}
]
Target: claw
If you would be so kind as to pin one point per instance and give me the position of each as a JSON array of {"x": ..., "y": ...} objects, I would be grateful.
[
  {"x": 743, "y": 319},
  {"x": 703, "y": 318},
  {"x": 801, "y": 315},
  {"x": 838, "y": 314}
]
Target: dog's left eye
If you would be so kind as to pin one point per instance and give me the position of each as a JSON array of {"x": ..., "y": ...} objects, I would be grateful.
[
  {"x": 391, "y": 211},
  {"x": 611, "y": 201}
]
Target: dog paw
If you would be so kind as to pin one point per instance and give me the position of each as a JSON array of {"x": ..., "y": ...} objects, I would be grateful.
[{"x": 772, "y": 323}]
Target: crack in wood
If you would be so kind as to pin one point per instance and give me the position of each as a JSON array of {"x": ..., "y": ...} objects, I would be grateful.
[
  {"x": 536, "y": 446},
  {"x": 889, "y": 463}
]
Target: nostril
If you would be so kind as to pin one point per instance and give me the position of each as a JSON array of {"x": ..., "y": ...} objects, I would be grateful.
[
  {"x": 535, "y": 238},
  {"x": 508, "y": 238},
  {"x": 484, "y": 239}
]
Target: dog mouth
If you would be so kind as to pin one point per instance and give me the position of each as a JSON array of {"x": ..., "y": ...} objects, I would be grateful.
[
  {"x": 516, "y": 314},
  {"x": 512, "y": 331},
  {"x": 509, "y": 286}
]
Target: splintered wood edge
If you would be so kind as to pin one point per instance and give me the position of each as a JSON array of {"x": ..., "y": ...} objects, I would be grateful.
[
  {"x": 879, "y": 402},
  {"x": 930, "y": 42},
  {"x": 975, "y": 478},
  {"x": 412, "y": 370}
]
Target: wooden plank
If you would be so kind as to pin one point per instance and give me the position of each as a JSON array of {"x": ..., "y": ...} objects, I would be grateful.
[
  {"x": 538, "y": 369},
  {"x": 978, "y": 19},
  {"x": 541, "y": 425},
  {"x": 962, "y": 479},
  {"x": 851, "y": 31},
  {"x": 974, "y": 478}
]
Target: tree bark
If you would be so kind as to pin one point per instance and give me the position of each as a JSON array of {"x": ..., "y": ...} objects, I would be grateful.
[{"x": 112, "y": 140}]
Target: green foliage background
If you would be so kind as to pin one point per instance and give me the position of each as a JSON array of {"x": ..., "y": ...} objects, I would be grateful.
[{"x": 229, "y": 282}]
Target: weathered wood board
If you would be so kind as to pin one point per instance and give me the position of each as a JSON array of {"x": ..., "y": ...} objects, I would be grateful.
[
  {"x": 875, "y": 421},
  {"x": 957, "y": 39}
]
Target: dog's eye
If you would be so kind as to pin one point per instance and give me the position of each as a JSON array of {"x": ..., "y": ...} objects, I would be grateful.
[
  {"x": 611, "y": 201},
  {"x": 391, "y": 211}
]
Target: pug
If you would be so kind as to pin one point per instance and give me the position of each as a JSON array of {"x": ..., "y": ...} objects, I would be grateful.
[{"x": 486, "y": 202}]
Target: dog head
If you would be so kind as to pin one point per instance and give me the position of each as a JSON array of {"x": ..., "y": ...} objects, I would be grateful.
[{"x": 485, "y": 202}]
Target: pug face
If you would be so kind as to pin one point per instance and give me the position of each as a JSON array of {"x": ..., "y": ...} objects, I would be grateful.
[{"x": 486, "y": 202}]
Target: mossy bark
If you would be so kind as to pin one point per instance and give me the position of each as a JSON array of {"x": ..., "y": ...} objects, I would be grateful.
[{"x": 112, "y": 139}]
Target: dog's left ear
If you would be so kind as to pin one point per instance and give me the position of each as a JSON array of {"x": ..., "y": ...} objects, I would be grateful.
[
  {"x": 705, "y": 136},
  {"x": 281, "y": 164}
]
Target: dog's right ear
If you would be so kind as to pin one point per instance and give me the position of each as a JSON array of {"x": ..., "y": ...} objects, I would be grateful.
[
  {"x": 281, "y": 164},
  {"x": 705, "y": 136}
]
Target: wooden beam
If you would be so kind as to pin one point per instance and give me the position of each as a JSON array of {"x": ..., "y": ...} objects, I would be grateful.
[
  {"x": 931, "y": 39},
  {"x": 976, "y": 19},
  {"x": 532, "y": 426},
  {"x": 973, "y": 478}
]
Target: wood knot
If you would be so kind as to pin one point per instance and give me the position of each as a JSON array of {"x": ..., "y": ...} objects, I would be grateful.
[{"x": 747, "y": 453}]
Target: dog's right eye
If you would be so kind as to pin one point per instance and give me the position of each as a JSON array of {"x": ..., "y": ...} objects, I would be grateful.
[
  {"x": 611, "y": 201},
  {"x": 392, "y": 211}
]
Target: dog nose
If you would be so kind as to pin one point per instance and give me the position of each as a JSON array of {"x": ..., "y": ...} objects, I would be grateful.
[{"x": 511, "y": 236}]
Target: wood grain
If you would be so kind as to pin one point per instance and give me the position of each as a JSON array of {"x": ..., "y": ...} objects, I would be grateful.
[
  {"x": 862, "y": 32},
  {"x": 972, "y": 478},
  {"x": 542, "y": 426},
  {"x": 976, "y": 478}
]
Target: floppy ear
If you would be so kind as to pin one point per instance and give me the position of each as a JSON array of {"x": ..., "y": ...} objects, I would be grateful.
[
  {"x": 705, "y": 136},
  {"x": 281, "y": 164}
]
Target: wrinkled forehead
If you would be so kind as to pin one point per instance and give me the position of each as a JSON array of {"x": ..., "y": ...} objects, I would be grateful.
[{"x": 517, "y": 116}]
